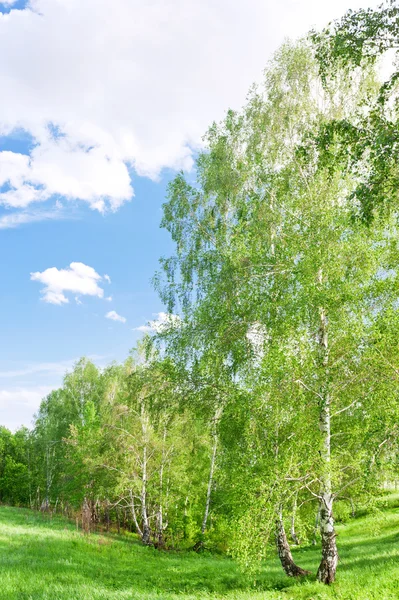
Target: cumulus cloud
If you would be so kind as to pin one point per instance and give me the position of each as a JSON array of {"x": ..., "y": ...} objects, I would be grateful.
[
  {"x": 78, "y": 278},
  {"x": 113, "y": 315},
  {"x": 64, "y": 168},
  {"x": 13, "y": 168},
  {"x": 154, "y": 76},
  {"x": 163, "y": 322}
]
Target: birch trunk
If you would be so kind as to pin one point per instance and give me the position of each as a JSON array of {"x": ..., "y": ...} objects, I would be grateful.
[
  {"x": 328, "y": 566},
  {"x": 329, "y": 561},
  {"x": 146, "y": 530},
  {"x": 160, "y": 524},
  {"x": 211, "y": 472},
  {"x": 200, "y": 544},
  {"x": 294, "y": 536},
  {"x": 210, "y": 485},
  {"x": 316, "y": 526},
  {"x": 134, "y": 515},
  {"x": 284, "y": 552}
]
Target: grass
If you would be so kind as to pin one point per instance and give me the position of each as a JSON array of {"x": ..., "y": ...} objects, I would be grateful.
[{"x": 49, "y": 560}]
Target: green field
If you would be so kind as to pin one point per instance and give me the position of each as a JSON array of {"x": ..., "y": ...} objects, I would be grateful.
[{"x": 49, "y": 559}]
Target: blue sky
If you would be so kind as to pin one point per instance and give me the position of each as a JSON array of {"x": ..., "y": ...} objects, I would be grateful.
[
  {"x": 39, "y": 339},
  {"x": 101, "y": 104},
  {"x": 125, "y": 245}
]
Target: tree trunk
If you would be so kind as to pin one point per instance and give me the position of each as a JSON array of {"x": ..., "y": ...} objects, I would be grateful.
[
  {"x": 210, "y": 485},
  {"x": 284, "y": 552},
  {"x": 294, "y": 536},
  {"x": 200, "y": 544},
  {"x": 160, "y": 523},
  {"x": 218, "y": 414},
  {"x": 146, "y": 530},
  {"x": 329, "y": 561},
  {"x": 134, "y": 515},
  {"x": 107, "y": 516},
  {"x": 118, "y": 520},
  {"x": 316, "y": 526},
  {"x": 86, "y": 516}
]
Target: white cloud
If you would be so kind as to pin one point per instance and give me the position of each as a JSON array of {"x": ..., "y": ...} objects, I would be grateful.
[
  {"x": 16, "y": 218},
  {"x": 113, "y": 315},
  {"x": 143, "y": 328},
  {"x": 23, "y": 196},
  {"x": 108, "y": 299},
  {"x": 47, "y": 369},
  {"x": 13, "y": 168},
  {"x": 52, "y": 368},
  {"x": 18, "y": 405},
  {"x": 8, "y": 2},
  {"x": 107, "y": 278},
  {"x": 163, "y": 322},
  {"x": 78, "y": 278},
  {"x": 139, "y": 84},
  {"x": 24, "y": 385},
  {"x": 65, "y": 168}
]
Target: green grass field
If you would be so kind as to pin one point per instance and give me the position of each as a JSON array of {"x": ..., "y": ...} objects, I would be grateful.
[{"x": 48, "y": 559}]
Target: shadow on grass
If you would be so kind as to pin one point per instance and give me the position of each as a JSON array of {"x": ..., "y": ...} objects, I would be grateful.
[
  {"x": 40, "y": 550},
  {"x": 43, "y": 552}
]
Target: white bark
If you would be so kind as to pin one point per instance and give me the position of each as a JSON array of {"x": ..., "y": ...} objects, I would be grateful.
[
  {"x": 134, "y": 515},
  {"x": 328, "y": 565},
  {"x": 160, "y": 524},
  {"x": 146, "y": 535},
  {"x": 294, "y": 536},
  {"x": 210, "y": 485},
  {"x": 218, "y": 414}
]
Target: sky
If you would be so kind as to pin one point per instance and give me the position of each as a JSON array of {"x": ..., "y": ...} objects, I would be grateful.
[{"x": 101, "y": 104}]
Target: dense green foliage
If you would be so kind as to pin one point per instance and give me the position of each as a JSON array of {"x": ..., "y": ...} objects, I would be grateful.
[
  {"x": 114, "y": 447},
  {"x": 368, "y": 142}
]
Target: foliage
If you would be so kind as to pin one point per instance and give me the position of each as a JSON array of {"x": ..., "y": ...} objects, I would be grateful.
[{"x": 368, "y": 142}]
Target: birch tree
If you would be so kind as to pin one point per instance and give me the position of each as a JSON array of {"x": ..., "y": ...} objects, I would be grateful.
[{"x": 265, "y": 240}]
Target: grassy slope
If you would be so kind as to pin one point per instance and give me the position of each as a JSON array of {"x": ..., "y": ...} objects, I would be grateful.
[{"x": 48, "y": 560}]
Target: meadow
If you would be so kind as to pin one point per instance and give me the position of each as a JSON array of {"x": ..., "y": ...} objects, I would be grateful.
[{"x": 48, "y": 559}]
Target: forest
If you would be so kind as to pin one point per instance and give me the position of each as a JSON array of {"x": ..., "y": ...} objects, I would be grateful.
[{"x": 264, "y": 408}]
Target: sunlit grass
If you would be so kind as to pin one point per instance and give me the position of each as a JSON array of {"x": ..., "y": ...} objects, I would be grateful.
[{"x": 49, "y": 560}]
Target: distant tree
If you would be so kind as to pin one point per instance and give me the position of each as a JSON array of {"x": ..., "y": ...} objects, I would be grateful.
[{"x": 15, "y": 476}]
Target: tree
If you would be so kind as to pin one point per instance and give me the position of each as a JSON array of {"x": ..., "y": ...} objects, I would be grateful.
[
  {"x": 15, "y": 476},
  {"x": 265, "y": 248}
]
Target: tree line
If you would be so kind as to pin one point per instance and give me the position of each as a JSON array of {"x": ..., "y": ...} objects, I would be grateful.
[{"x": 268, "y": 401}]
